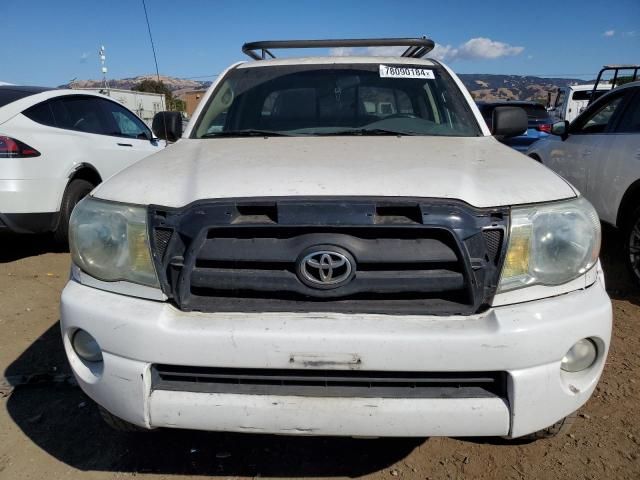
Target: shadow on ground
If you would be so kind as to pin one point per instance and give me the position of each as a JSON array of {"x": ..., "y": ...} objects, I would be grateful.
[
  {"x": 64, "y": 423},
  {"x": 16, "y": 247},
  {"x": 620, "y": 283}
]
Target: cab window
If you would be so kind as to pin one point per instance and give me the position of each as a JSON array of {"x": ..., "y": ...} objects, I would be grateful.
[{"x": 630, "y": 119}]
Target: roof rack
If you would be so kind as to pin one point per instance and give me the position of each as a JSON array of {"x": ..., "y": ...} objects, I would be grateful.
[
  {"x": 615, "y": 69},
  {"x": 416, "y": 47}
]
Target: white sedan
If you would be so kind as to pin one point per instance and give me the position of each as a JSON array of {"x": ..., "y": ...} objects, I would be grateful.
[
  {"x": 599, "y": 154},
  {"x": 56, "y": 145}
]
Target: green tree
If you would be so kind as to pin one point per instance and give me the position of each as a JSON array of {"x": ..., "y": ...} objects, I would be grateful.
[
  {"x": 155, "y": 86},
  {"x": 624, "y": 79}
]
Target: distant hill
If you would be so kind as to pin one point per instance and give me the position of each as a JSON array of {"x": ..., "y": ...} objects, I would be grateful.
[
  {"x": 176, "y": 85},
  {"x": 513, "y": 87},
  {"x": 481, "y": 85}
]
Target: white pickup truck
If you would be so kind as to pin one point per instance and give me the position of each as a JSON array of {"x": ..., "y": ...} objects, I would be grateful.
[{"x": 338, "y": 246}]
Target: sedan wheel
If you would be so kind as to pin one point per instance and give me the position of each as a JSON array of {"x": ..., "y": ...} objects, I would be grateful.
[{"x": 632, "y": 244}]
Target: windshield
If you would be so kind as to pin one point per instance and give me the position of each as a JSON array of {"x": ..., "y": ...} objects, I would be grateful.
[{"x": 345, "y": 99}]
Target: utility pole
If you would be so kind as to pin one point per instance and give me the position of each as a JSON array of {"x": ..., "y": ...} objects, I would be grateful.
[{"x": 103, "y": 59}]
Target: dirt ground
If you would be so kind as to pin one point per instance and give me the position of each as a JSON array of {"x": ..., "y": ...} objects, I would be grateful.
[{"x": 49, "y": 429}]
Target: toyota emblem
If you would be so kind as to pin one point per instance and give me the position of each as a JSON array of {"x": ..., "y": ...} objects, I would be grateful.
[{"x": 325, "y": 268}]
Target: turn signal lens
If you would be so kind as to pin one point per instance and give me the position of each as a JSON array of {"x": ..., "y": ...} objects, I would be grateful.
[{"x": 517, "y": 262}]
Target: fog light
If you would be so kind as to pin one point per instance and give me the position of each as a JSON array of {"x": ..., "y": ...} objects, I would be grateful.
[
  {"x": 86, "y": 346},
  {"x": 580, "y": 357}
]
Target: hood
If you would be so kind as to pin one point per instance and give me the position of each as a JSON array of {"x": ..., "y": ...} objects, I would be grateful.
[{"x": 478, "y": 170}]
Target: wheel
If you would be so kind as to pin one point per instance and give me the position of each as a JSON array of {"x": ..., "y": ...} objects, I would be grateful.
[
  {"x": 560, "y": 427},
  {"x": 117, "y": 423},
  {"x": 631, "y": 239},
  {"x": 75, "y": 191}
]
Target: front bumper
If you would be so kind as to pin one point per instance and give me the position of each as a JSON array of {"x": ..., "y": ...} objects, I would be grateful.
[{"x": 526, "y": 340}]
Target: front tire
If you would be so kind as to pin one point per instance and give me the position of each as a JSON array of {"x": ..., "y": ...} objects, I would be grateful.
[
  {"x": 75, "y": 191},
  {"x": 560, "y": 427},
  {"x": 116, "y": 423},
  {"x": 631, "y": 239}
]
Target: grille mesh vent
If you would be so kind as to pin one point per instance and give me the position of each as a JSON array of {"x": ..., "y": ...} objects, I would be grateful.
[
  {"x": 493, "y": 240},
  {"x": 162, "y": 237}
]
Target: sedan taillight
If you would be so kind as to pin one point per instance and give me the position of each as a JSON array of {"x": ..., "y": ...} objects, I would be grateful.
[
  {"x": 545, "y": 127},
  {"x": 12, "y": 148}
]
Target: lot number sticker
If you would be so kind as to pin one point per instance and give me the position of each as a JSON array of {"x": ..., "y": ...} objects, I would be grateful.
[{"x": 405, "y": 72}]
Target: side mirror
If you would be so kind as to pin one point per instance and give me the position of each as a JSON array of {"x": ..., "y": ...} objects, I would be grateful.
[
  {"x": 509, "y": 122},
  {"x": 167, "y": 125},
  {"x": 561, "y": 129}
]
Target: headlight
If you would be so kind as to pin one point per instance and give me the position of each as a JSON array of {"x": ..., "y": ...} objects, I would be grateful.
[
  {"x": 550, "y": 244},
  {"x": 109, "y": 241}
]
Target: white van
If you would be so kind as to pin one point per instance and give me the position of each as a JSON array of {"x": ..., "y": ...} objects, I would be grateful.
[{"x": 571, "y": 101}]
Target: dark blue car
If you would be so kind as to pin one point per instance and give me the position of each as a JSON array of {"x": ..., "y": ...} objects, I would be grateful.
[{"x": 539, "y": 122}]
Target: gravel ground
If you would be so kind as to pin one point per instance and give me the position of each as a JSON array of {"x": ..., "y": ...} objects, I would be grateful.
[{"x": 51, "y": 430}]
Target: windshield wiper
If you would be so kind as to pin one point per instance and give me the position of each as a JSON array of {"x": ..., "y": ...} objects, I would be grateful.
[
  {"x": 367, "y": 131},
  {"x": 245, "y": 133}
]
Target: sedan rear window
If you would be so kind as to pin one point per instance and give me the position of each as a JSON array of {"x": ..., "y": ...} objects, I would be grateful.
[{"x": 535, "y": 112}]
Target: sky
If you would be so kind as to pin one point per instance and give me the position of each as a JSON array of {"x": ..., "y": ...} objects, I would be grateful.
[{"x": 44, "y": 42}]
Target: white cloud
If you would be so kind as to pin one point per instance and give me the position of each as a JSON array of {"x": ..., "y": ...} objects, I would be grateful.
[
  {"x": 368, "y": 51},
  {"x": 631, "y": 33},
  {"x": 84, "y": 57},
  {"x": 385, "y": 51},
  {"x": 609, "y": 33},
  {"x": 475, "y": 48},
  {"x": 341, "y": 51},
  {"x": 443, "y": 52},
  {"x": 488, "y": 49}
]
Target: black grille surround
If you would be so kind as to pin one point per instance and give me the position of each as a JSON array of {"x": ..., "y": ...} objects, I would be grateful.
[
  {"x": 411, "y": 256},
  {"x": 329, "y": 383}
]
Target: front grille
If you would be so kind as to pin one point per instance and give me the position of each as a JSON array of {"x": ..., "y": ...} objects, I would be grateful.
[
  {"x": 406, "y": 256},
  {"x": 264, "y": 260},
  {"x": 329, "y": 383}
]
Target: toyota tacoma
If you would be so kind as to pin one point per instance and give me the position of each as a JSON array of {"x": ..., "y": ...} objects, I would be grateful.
[{"x": 337, "y": 246}]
